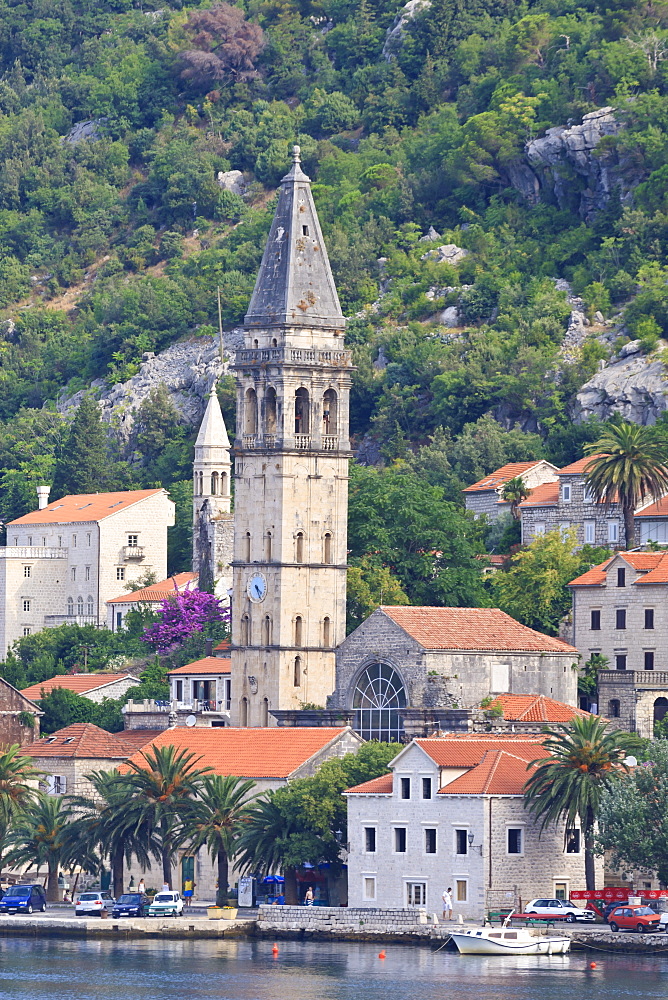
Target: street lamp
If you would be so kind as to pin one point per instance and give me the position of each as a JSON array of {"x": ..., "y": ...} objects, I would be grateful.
[{"x": 474, "y": 847}]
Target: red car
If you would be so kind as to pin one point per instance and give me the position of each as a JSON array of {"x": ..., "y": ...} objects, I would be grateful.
[{"x": 634, "y": 918}]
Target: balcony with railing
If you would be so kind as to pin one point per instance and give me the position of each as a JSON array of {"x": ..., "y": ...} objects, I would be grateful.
[
  {"x": 330, "y": 442},
  {"x": 134, "y": 551},
  {"x": 302, "y": 441}
]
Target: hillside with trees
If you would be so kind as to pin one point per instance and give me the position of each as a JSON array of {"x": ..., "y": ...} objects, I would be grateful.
[{"x": 120, "y": 123}]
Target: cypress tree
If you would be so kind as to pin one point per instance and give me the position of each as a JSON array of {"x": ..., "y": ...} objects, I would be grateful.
[{"x": 83, "y": 464}]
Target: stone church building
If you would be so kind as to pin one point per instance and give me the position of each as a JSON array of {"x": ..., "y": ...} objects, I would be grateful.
[{"x": 405, "y": 671}]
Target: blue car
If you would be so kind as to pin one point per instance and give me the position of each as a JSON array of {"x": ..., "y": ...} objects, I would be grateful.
[
  {"x": 23, "y": 899},
  {"x": 131, "y": 904}
]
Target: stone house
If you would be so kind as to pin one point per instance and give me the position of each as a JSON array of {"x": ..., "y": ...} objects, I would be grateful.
[
  {"x": 151, "y": 597},
  {"x": 484, "y": 497},
  {"x": 271, "y": 757},
  {"x": 64, "y": 561},
  {"x": 451, "y": 813},
  {"x": 620, "y": 611},
  {"x": 199, "y": 691},
  {"x": 95, "y": 687},
  {"x": 567, "y": 503},
  {"x": 19, "y": 716},
  {"x": 404, "y": 666},
  {"x": 651, "y": 523},
  {"x": 67, "y": 756}
]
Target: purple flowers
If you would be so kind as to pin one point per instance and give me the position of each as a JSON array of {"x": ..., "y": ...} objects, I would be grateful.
[{"x": 181, "y": 614}]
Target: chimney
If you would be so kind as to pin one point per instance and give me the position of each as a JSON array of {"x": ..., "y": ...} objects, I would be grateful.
[
  {"x": 42, "y": 496},
  {"x": 208, "y": 647}
]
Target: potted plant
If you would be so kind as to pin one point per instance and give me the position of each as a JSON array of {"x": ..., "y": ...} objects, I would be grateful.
[
  {"x": 229, "y": 912},
  {"x": 214, "y": 912}
]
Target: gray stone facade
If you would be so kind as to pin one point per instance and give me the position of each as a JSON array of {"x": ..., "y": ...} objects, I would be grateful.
[
  {"x": 566, "y": 505},
  {"x": 483, "y": 498}
]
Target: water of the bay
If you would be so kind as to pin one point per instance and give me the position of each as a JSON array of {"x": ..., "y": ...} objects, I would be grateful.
[{"x": 246, "y": 970}]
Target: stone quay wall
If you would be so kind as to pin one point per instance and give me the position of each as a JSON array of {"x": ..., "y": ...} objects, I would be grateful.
[{"x": 349, "y": 923}]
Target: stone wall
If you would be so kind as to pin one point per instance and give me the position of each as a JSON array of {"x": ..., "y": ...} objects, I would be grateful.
[
  {"x": 574, "y": 514},
  {"x": 486, "y": 502},
  {"x": 343, "y": 921}
]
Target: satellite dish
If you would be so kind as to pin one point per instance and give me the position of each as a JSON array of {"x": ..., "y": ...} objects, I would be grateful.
[
  {"x": 631, "y": 761},
  {"x": 191, "y": 721}
]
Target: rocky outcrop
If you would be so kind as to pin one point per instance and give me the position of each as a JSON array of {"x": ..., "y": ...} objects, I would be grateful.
[
  {"x": 450, "y": 253},
  {"x": 395, "y": 34},
  {"x": 632, "y": 386},
  {"x": 564, "y": 162},
  {"x": 187, "y": 369},
  {"x": 231, "y": 180}
]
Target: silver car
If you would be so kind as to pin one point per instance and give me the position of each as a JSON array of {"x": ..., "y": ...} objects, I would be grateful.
[
  {"x": 93, "y": 903},
  {"x": 559, "y": 908}
]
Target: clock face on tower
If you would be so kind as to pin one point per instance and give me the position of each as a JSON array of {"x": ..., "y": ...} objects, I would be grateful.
[{"x": 256, "y": 588}]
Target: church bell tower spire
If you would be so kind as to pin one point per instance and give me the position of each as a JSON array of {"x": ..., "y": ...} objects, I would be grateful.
[{"x": 291, "y": 471}]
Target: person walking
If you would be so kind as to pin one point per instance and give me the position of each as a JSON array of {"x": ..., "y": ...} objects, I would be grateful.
[
  {"x": 447, "y": 903},
  {"x": 309, "y": 897},
  {"x": 142, "y": 886}
]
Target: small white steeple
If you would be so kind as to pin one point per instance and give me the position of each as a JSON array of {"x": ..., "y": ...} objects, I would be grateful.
[{"x": 212, "y": 466}]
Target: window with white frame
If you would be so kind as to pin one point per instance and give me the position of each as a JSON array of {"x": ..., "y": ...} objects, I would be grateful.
[
  {"x": 228, "y": 694},
  {"x": 416, "y": 893},
  {"x": 369, "y": 887},
  {"x": 515, "y": 840},
  {"x": 26, "y": 604},
  {"x": 539, "y": 529},
  {"x": 461, "y": 890},
  {"x": 56, "y": 784},
  {"x": 27, "y": 570},
  {"x": 426, "y": 788},
  {"x": 590, "y": 532},
  {"x": 400, "y": 840},
  {"x": 73, "y": 573},
  {"x": 461, "y": 842},
  {"x": 88, "y": 537},
  {"x": 370, "y": 839},
  {"x": 120, "y": 572},
  {"x": 87, "y": 573},
  {"x": 566, "y": 493},
  {"x": 430, "y": 840},
  {"x": 572, "y": 842},
  {"x": 26, "y": 630},
  {"x": 74, "y": 541},
  {"x": 589, "y": 495},
  {"x": 404, "y": 788},
  {"x": 613, "y": 531},
  {"x": 29, "y": 539},
  {"x": 133, "y": 541}
]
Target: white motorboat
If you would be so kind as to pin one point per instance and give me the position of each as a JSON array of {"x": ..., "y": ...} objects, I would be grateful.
[{"x": 508, "y": 941}]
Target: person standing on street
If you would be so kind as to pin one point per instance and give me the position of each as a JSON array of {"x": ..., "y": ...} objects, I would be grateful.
[{"x": 447, "y": 904}]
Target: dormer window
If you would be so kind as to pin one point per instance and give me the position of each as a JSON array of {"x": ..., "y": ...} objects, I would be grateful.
[
  {"x": 621, "y": 577},
  {"x": 566, "y": 493}
]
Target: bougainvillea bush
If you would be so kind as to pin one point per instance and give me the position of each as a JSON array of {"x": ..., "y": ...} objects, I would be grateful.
[{"x": 181, "y": 615}]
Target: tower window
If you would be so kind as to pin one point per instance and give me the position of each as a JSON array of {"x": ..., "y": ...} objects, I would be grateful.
[
  {"x": 298, "y": 630},
  {"x": 297, "y": 676},
  {"x": 270, "y": 411},
  {"x": 73, "y": 573},
  {"x": 301, "y": 411},
  {"x": 250, "y": 416},
  {"x": 214, "y": 483},
  {"x": 265, "y": 712},
  {"x": 267, "y": 546},
  {"x": 299, "y": 547},
  {"x": 326, "y": 632},
  {"x": 245, "y": 630},
  {"x": 304, "y": 230},
  {"x": 328, "y": 547},
  {"x": 224, "y": 485},
  {"x": 247, "y": 546},
  {"x": 267, "y": 630},
  {"x": 244, "y": 711}
]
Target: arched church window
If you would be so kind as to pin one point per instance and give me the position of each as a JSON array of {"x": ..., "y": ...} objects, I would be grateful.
[
  {"x": 224, "y": 485},
  {"x": 247, "y": 547},
  {"x": 660, "y": 709},
  {"x": 270, "y": 411},
  {"x": 298, "y": 630},
  {"x": 243, "y": 713},
  {"x": 299, "y": 547},
  {"x": 70, "y": 606},
  {"x": 378, "y": 695},
  {"x": 297, "y": 675},
  {"x": 327, "y": 547},
  {"x": 90, "y": 607},
  {"x": 245, "y": 630},
  {"x": 214, "y": 483},
  {"x": 301, "y": 411},
  {"x": 266, "y": 631},
  {"x": 80, "y": 606},
  {"x": 200, "y": 484},
  {"x": 250, "y": 415},
  {"x": 330, "y": 412},
  {"x": 268, "y": 546},
  {"x": 326, "y": 632},
  {"x": 265, "y": 712}
]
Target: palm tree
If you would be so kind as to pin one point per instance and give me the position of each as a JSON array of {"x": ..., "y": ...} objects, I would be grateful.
[
  {"x": 38, "y": 838},
  {"x": 585, "y": 757},
  {"x": 161, "y": 791},
  {"x": 513, "y": 492},
  {"x": 103, "y": 825},
  {"x": 16, "y": 793},
  {"x": 628, "y": 465},
  {"x": 217, "y": 819},
  {"x": 267, "y": 843}
]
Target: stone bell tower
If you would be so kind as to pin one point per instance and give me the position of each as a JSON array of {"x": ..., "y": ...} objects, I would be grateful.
[
  {"x": 291, "y": 472},
  {"x": 213, "y": 524}
]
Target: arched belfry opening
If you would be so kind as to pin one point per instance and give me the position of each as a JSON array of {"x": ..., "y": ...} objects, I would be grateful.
[
  {"x": 378, "y": 695},
  {"x": 302, "y": 411}
]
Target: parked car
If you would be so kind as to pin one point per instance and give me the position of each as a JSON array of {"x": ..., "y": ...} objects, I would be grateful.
[
  {"x": 166, "y": 904},
  {"x": 93, "y": 903},
  {"x": 634, "y": 918},
  {"x": 23, "y": 899},
  {"x": 131, "y": 904},
  {"x": 609, "y": 907},
  {"x": 559, "y": 908}
]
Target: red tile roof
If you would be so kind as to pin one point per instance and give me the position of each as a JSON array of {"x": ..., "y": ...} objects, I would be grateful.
[
  {"x": 535, "y": 708},
  {"x": 225, "y": 644},
  {"x": 83, "y": 739},
  {"x": 247, "y": 753},
  {"x": 208, "y": 665},
  {"x": 498, "y": 773},
  {"x": 79, "y": 683},
  {"x": 545, "y": 495},
  {"x": 579, "y": 467},
  {"x": 472, "y": 628},
  {"x": 657, "y": 509},
  {"x": 156, "y": 592},
  {"x": 499, "y": 478},
  {"x": 379, "y": 786},
  {"x": 469, "y": 750},
  {"x": 86, "y": 507},
  {"x": 653, "y": 566}
]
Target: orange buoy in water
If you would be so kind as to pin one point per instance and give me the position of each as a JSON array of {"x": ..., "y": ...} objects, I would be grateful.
[
  {"x": 592, "y": 965},
  {"x": 381, "y": 954},
  {"x": 274, "y": 950}
]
